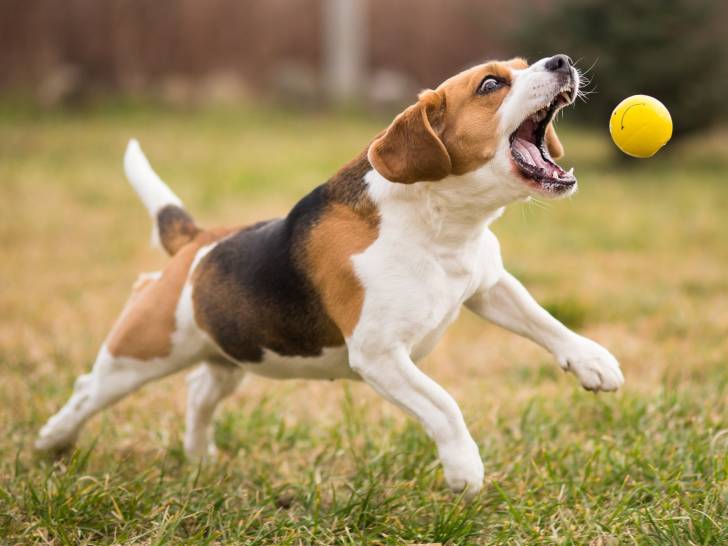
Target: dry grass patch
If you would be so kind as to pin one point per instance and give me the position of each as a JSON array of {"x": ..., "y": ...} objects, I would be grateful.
[{"x": 637, "y": 260}]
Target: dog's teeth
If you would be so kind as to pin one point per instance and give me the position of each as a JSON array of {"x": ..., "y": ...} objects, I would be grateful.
[{"x": 570, "y": 172}]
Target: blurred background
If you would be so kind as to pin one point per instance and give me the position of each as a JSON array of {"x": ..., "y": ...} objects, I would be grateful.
[
  {"x": 245, "y": 106},
  {"x": 367, "y": 52}
]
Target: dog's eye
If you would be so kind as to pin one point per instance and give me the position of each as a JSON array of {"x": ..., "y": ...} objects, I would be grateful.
[{"x": 489, "y": 84}]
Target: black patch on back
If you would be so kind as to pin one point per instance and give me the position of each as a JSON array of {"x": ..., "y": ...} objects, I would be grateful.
[{"x": 251, "y": 290}]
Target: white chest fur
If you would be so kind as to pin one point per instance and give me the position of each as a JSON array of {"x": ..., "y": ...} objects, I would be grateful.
[{"x": 423, "y": 266}]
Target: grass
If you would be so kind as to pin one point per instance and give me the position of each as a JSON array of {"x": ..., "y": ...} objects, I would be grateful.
[{"x": 637, "y": 260}]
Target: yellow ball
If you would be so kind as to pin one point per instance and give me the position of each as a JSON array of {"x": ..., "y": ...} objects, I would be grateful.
[{"x": 640, "y": 125}]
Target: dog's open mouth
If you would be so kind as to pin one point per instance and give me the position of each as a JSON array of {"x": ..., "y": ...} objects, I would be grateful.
[{"x": 530, "y": 152}]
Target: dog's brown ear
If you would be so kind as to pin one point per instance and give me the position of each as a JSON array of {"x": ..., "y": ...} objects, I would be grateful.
[
  {"x": 410, "y": 150},
  {"x": 556, "y": 149}
]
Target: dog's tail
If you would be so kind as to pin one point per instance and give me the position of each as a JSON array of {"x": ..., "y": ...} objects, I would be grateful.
[{"x": 173, "y": 226}]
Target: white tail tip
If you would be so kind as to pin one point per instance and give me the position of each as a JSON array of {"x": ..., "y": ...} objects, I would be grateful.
[{"x": 153, "y": 192}]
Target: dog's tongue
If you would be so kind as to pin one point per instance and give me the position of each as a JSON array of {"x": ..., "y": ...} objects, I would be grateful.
[
  {"x": 530, "y": 153},
  {"x": 524, "y": 145}
]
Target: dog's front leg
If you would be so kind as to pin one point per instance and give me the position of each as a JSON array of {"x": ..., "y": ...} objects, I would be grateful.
[
  {"x": 508, "y": 304},
  {"x": 394, "y": 376}
]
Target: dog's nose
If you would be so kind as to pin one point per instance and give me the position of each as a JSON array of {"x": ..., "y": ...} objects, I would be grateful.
[{"x": 559, "y": 63}]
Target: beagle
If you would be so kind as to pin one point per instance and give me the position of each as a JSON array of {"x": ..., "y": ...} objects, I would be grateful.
[{"x": 361, "y": 278}]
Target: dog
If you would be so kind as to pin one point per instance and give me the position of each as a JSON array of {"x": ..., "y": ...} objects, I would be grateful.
[{"x": 362, "y": 277}]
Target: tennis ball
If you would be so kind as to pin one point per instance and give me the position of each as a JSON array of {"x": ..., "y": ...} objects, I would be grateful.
[{"x": 640, "y": 125}]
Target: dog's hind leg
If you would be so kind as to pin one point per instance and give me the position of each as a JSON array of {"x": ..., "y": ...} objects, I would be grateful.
[
  {"x": 110, "y": 380},
  {"x": 207, "y": 386},
  {"x": 155, "y": 336}
]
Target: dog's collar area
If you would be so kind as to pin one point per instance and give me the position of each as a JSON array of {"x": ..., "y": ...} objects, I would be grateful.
[{"x": 530, "y": 151}]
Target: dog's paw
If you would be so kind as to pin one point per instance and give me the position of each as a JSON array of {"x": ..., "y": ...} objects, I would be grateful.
[
  {"x": 595, "y": 367},
  {"x": 200, "y": 452},
  {"x": 463, "y": 468},
  {"x": 55, "y": 437}
]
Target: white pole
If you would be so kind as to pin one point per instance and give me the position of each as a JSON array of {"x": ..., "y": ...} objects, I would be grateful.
[{"x": 344, "y": 55}]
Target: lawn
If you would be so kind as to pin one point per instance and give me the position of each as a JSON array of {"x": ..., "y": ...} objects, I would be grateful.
[{"x": 638, "y": 260}]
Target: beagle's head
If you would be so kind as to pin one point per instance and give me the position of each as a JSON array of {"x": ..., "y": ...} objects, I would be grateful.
[{"x": 496, "y": 115}]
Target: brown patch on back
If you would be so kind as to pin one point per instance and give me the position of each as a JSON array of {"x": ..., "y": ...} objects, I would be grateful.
[
  {"x": 146, "y": 324},
  {"x": 340, "y": 234}
]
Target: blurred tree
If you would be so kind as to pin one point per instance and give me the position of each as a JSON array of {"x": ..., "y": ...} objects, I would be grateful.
[{"x": 674, "y": 50}]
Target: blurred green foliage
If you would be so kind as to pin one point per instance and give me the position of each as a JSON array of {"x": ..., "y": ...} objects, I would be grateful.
[{"x": 674, "y": 50}]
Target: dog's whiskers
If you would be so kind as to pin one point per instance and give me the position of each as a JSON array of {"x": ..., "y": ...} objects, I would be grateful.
[
  {"x": 591, "y": 67},
  {"x": 583, "y": 92},
  {"x": 539, "y": 204}
]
